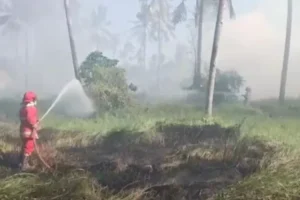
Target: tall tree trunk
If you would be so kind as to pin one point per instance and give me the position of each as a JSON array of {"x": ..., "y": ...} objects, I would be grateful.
[
  {"x": 197, "y": 71},
  {"x": 159, "y": 47},
  {"x": 71, "y": 38},
  {"x": 212, "y": 67},
  {"x": 145, "y": 47},
  {"x": 286, "y": 51}
]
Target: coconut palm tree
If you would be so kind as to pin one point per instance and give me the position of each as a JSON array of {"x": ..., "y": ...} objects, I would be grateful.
[
  {"x": 212, "y": 67},
  {"x": 286, "y": 51},
  {"x": 162, "y": 28},
  {"x": 140, "y": 31},
  {"x": 98, "y": 23},
  {"x": 17, "y": 19},
  {"x": 153, "y": 21},
  {"x": 16, "y": 23},
  {"x": 180, "y": 14},
  {"x": 11, "y": 26},
  {"x": 126, "y": 52}
]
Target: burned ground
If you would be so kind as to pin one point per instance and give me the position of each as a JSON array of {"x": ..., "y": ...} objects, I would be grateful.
[{"x": 170, "y": 162}]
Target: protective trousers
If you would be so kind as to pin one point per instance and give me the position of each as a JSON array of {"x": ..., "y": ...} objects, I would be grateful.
[
  {"x": 28, "y": 143},
  {"x": 28, "y": 146},
  {"x": 27, "y": 149}
]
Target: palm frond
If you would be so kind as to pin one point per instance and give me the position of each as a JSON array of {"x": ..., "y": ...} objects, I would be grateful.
[
  {"x": 180, "y": 13},
  {"x": 105, "y": 32},
  {"x": 153, "y": 31},
  {"x": 137, "y": 27},
  {"x": 167, "y": 29},
  {"x": 11, "y": 27},
  {"x": 99, "y": 16},
  {"x": 4, "y": 18},
  {"x": 137, "y": 32}
]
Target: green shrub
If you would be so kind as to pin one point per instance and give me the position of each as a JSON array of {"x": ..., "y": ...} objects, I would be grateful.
[
  {"x": 104, "y": 82},
  {"x": 109, "y": 90}
]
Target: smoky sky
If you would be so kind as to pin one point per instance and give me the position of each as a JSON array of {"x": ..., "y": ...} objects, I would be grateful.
[{"x": 252, "y": 44}]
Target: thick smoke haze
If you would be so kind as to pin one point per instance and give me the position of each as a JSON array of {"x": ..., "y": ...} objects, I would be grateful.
[{"x": 252, "y": 44}]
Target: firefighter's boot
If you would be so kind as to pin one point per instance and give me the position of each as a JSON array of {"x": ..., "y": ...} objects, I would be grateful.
[{"x": 24, "y": 166}]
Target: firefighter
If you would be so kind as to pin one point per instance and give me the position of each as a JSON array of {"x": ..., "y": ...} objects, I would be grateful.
[
  {"x": 28, "y": 127},
  {"x": 247, "y": 96}
]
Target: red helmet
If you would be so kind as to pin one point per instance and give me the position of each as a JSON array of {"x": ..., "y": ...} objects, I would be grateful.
[{"x": 29, "y": 96}]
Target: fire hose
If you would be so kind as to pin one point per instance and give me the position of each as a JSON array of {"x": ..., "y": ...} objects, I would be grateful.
[
  {"x": 43, "y": 117},
  {"x": 40, "y": 157},
  {"x": 37, "y": 149}
]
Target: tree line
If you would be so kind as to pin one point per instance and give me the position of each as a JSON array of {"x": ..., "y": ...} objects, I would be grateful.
[{"x": 155, "y": 20}]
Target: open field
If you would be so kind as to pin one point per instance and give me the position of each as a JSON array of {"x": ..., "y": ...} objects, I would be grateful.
[{"x": 162, "y": 152}]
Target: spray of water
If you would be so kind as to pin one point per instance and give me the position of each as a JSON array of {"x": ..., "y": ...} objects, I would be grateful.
[{"x": 71, "y": 85}]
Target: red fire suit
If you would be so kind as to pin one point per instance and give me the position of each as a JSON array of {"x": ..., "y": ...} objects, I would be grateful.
[{"x": 29, "y": 120}]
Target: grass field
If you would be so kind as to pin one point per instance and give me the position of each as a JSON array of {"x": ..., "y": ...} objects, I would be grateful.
[{"x": 162, "y": 152}]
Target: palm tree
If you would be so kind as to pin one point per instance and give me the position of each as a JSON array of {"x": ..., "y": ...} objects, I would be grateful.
[
  {"x": 161, "y": 28},
  {"x": 14, "y": 24},
  {"x": 71, "y": 38},
  {"x": 212, "y": 67},
  {"x": 126, "y": 52},
  {"x": 153, "y": 21},
  {"x": 179, "y": 15},
  {"x": 286, "y": 51},
  {"x": 11, "y": 26},
  {"x": 101, "y": 36},
  {"x": 199, "y": 24},
  {"x": 141, "y": 29},
  {"x": 17, "y": 18}
]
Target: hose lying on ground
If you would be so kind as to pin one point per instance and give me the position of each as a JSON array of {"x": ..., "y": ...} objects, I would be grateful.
[
  {"x": 37, "y": 149},
  {"x": 40, "y": 157},
  {"x": 36, "y": 146}
]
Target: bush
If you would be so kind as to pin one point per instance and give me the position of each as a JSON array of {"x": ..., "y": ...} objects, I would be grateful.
[
  {"x": 221, "y": 97},
  {"x": 227, "y": 87},
  {"x": 109, "y": 90},
  {"x": 104, "y": 82}
]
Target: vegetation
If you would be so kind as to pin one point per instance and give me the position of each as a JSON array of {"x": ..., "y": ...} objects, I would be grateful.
[
  {"x": 112, "y": 157},
  {"x": 132, "y": 150},
  {"x": 104, "y": 82},
  {"x": 140, "y": 31},
  {"x": 202, "y": 7},
  {"x": 227, "y": 87},
  {"x": 100, "y": 34}
]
